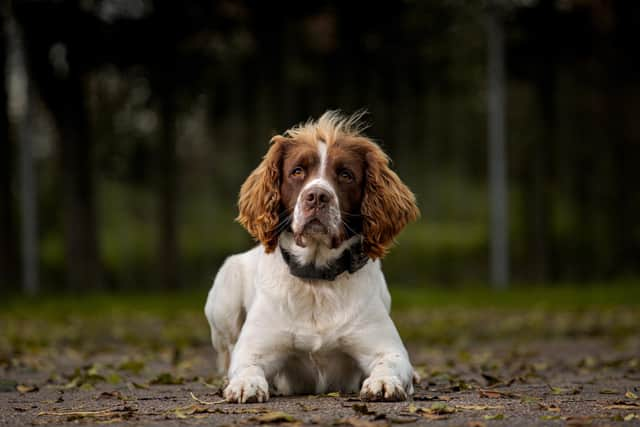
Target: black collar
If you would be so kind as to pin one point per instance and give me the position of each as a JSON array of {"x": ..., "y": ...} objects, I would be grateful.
[{"x": 352, "y": 259}]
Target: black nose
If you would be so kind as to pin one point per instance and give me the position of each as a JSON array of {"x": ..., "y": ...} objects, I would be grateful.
[{"x": 316, "y": 198}]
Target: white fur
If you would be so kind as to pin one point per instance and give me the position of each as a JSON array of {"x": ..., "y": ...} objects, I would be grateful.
[
  {"x": 277, "y": 334},
  {"x": 319, "y": 181}
]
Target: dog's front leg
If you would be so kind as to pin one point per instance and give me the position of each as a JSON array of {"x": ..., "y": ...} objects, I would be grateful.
[
  {"x": 257, "y": 355},
  {"x": 380, "y": 352}
]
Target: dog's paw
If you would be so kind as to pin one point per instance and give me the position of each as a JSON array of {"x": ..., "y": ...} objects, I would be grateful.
[
  {"x": 247, "y": 390},
  {"x": 387, "y": 388}
]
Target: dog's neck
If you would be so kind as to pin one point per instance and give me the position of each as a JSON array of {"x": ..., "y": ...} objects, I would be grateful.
[{"x": 316, "y": 261}]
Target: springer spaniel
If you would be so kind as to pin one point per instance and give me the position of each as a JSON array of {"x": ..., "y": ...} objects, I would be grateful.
[{"x": 307, "y": 311}]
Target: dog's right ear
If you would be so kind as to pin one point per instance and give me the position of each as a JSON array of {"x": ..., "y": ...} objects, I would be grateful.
[{"x": 259, "y": 201}]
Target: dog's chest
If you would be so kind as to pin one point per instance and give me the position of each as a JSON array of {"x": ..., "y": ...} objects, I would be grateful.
[{"x": 312, "y": 342}]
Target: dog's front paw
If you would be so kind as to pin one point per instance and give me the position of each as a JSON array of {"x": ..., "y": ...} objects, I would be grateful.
[
  {"x": 383, "y": 388},
  {"x": 247, "y": 390}
]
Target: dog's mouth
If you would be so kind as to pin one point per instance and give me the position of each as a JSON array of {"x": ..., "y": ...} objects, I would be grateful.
[{"x": 314, "y": 227}]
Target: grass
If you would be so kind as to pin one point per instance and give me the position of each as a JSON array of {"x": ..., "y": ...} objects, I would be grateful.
[
  {"x": 169, "y": 303},
  {"x": 423, "y": 315}
]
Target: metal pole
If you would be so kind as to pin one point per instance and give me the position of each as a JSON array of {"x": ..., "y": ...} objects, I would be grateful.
[{"x": 499, "y": 255}]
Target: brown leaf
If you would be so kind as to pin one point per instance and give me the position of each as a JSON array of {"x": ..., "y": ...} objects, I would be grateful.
[
  {"x": 497, "y": 394},
  {"x": 22, "y": 388},
  {"x": 274, "y": 417},
  {"x": 631, "y": 395},
  {"x": 478, "y": 407},
  {"x": 578, "y": 421}
]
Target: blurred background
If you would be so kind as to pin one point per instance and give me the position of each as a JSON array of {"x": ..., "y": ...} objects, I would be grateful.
[{"x": 128, "y": 126}]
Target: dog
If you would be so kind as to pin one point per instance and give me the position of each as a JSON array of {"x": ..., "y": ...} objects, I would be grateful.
[{"x": 307, "y": 310}]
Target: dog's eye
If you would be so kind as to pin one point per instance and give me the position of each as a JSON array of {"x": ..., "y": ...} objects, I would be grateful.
[
  {"x": 297, "y": 172},
  {"x": 345, "y": 175}
]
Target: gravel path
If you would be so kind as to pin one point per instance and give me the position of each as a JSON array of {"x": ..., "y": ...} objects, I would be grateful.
[{"x": 511, "y": 382}]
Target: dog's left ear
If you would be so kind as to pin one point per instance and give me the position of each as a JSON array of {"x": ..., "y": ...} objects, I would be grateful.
[
  {"x": 259, "y": 200},
  {"x": 387, "y": 206}
]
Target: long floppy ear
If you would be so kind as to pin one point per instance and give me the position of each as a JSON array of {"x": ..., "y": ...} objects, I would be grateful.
[
  {"x": 387, "y": 206},
  {"x": 259, "y": 200}
]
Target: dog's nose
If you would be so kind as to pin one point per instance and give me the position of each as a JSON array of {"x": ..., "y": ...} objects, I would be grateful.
[{"x": 316, "y": 198}]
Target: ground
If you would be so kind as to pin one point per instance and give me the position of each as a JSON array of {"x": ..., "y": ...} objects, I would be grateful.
[{"x": 546, "y": 357}]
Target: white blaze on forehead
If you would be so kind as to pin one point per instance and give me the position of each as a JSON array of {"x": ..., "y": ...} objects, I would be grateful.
[{"x": 322, "y": 150}]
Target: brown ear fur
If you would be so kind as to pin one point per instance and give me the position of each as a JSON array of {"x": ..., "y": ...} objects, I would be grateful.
[
  {"x": 259, "y": 200},
  {"x": 387, "y": 206}
]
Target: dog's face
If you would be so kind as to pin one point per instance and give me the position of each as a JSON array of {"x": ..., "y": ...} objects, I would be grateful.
[
  {"x": 322, "y": 187},
  {"x": 326, "y": 182}
]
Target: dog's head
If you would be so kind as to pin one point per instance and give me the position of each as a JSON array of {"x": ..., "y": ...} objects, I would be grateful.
[{"x": 326, "y": 182}]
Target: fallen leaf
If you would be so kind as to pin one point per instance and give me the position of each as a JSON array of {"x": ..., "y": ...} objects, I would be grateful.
[
  {"x": 438, "y": 409},
  {"x": 631, "y": 395},
  {"x": 100, "y": 413},
  {"x": 114, "y": 378},
  {"x": 166, "y": 378},
  {"x": 274, "y": 417},
  {"x": 332, "y": 394},
  {"x": 631, "y": 417},
  {"x": 608, "y": 391},
  {"x": 22, "y": 388},
  {"x": 139, "y": 386},
  {"x": 497, "y": 394},
  {"x": 550, "y": 417},
  {"x": 623, "y": 405},
  {"x": 560, "y": 390},
  {"x": 578, "y": 421},
  {"x": 494, "y": 417},
  {"x": 478, "y": 407},
  {"x": 133, "y": 366}
]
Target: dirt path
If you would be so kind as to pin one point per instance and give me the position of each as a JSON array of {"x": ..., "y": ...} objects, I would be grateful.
[{"x": 566, "y": 381}]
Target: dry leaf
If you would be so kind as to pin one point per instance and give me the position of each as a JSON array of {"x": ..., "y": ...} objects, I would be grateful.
[
  {"x": 494, "y": 417},
  {"x": 497, "y": 394},
  {"x": 274, "y": 417},
  {"x": 26, "y": 388},
  {"x": 479, "y": 407}
]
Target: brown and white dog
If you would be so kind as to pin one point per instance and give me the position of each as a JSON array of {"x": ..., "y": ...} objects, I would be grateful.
[{"x": 307, "y": 311}]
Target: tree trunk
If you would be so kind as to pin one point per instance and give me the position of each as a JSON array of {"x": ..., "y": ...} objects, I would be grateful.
[
  {"x": 8, "y": 242},
  {"x": 79, "y": 206}
]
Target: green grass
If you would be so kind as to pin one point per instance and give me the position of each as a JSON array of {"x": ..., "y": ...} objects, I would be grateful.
[
  {"x": 404, "y": 298},
  {"x": 422, "y": 314}
]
